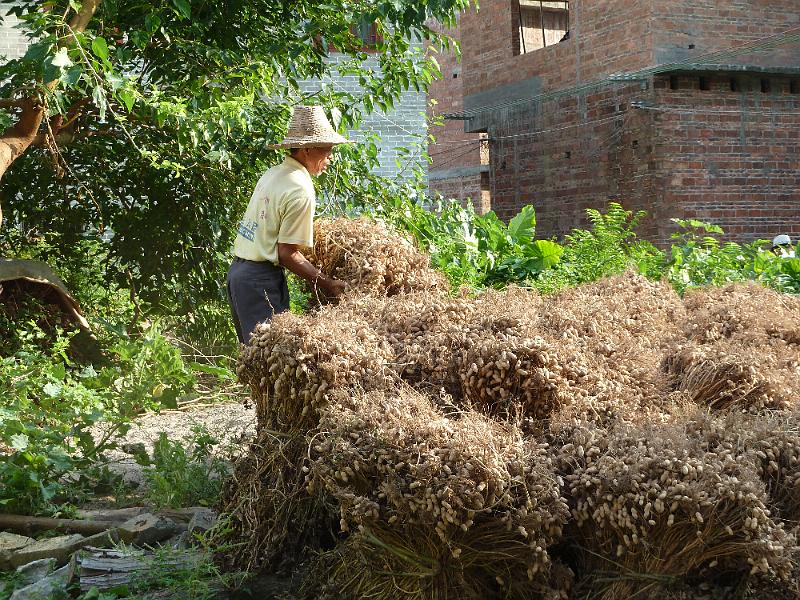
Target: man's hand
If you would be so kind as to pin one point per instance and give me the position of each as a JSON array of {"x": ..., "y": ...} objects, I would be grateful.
[
  {"x": 333, "y": 287},
  {"x": 290, "y": 257}
]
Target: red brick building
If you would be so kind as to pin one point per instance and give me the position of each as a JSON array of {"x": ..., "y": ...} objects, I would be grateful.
[{"x": 684, "y": 108}]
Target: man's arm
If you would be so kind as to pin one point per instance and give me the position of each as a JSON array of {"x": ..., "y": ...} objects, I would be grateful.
[{"x": 290, "y": 257}]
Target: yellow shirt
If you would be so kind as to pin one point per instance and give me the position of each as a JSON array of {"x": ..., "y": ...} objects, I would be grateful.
[{"x": 281, "y": 209}]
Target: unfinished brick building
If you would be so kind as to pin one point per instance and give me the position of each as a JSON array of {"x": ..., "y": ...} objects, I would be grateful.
[{"x": 684, "y": 108}]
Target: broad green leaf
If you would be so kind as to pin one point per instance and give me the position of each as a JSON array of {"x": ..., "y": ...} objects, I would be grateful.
[
  {"x": 59, "y": 371},
  {"x": 184, "y": 8},
  {"x": 791, "y": 266},
  {"x": 100, "y": 48},
  {"x": 71, "y": 76},
  {"x": 546, "y": 253},
  {"x": 127, "y": 97},
  {"x": 152, "y": 22},
  {"x": 37, "y": 52},
  {"x": 523, "y": 226}
]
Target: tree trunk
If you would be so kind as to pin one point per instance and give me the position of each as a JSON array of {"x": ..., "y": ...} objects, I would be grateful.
[{"x": 16, "y": 140}]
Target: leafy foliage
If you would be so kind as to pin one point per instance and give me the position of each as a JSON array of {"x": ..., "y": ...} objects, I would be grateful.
[
  {"x": 185, "y": 472},
  {"x": 480, "y": 250},
  {"x": 45, "y": 426},
  {"x": 59, "y": 417},
  {"x": 699, "y": 258},
  {"x": 608, "y": 248}
]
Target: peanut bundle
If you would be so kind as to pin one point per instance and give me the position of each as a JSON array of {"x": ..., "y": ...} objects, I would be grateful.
[{"x": 505, "y": 444}]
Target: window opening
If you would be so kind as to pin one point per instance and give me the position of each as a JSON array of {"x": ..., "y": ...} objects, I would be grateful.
[
  {"x": 542, "y": 24},
  {"x": 367, "y": 32},
  {"x": 794, "y": 86}
]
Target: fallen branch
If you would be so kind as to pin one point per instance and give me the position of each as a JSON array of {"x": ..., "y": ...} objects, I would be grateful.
[{"x": 29, "y": 525}]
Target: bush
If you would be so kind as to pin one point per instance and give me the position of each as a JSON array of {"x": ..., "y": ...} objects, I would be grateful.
[
  {"x": 50, "y": 409},
  {"x": 59, "y": 416}
]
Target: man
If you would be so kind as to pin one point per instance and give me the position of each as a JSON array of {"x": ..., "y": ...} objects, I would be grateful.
[
  {"x": 782, "y": 246},
  {"x": 278, "y": 221}
]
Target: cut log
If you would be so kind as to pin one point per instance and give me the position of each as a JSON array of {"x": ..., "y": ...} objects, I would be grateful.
[
  {"x": 115, "y": 515},
  {"x": 105, "y": 569},
  {"x": 29, "y": 525}
]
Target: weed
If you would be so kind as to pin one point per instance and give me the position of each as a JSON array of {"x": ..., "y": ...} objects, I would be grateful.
[{"x": 186, "y": 472}]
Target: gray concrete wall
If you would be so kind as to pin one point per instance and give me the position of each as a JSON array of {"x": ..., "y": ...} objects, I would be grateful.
[
  {"x": 12, "y": 42},
  {"x": 403, "y": 127}
]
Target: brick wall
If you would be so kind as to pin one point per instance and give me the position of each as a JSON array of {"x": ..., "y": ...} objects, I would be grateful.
[
  {"x": 458, "y": 170},
  {"x": 721, "y": 143},
  {"x": 606, "y": 36},
  {"x": 685, "y": 29},
  {"x": 569, "y": 154},
  {"x": 731, "y": 157}
]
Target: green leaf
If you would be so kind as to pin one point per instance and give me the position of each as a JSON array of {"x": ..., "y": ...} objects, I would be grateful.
[
  {"x": 19, "y": 441},
  {"x": 99, "y": 98},
  {"x": 169, "y": 397},
  {"x": 37, "y": 52},
  {"x": 184, "y": 8},
  {"x": 62, "y": 59},
  {"x": 52, "y": 389},
  {"x": 128, "y": 98},
  {"x": 546, "y": 253},
  {"x": 791, "y": 266},
  {"x": 523, "y": 226},
  {"x": 220, "y": 372},
  {"x": 116, "y": 81},
  {"x": 72, "y": 76},
  {"x": 100, "y": 48},
  {"x": 59, "y": 371},
  {"x": 152, "y": 22}
]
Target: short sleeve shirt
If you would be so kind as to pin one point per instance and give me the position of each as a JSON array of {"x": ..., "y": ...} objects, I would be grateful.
[{"x": 281, "y": 210}]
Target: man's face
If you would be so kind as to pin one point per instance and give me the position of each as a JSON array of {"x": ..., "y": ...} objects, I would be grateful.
[{"x": 316, "y": 160}]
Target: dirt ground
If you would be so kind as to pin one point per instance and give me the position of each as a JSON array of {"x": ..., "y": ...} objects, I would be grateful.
[{"x": 232, "y": 424}]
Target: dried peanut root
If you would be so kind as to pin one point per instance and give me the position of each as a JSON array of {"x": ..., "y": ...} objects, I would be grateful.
[{"x": 372, "y": 259}]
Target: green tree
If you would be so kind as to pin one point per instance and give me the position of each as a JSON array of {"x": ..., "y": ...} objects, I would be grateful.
[{"x": 149, "y": 119}]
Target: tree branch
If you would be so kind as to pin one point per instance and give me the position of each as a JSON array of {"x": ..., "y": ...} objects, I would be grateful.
[
  {"x": 12, "y": 102},
  {"x": 65, "y": 137},
  {"x": 79, "y": 22},
  {"x": 17, "y": 139}
]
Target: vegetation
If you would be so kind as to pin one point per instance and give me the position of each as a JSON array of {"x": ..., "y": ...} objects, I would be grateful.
[
  {"x": 55, "y": 400},
  {"x": 185, "y": 472},
  {"x": 133, "y": 134}
]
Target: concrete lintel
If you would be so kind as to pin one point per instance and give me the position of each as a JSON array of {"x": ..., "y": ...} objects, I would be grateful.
[
  {"x": 457, "y": 172},
  {"x": 512, "y": 92}
]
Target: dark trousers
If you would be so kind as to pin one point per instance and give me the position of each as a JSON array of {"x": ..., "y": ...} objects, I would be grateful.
[{"x": 256, "y": 291}]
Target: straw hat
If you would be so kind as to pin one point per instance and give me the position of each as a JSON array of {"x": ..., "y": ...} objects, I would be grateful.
[
  {"x": 781, "y": 240},
  {"x": 310, "y": 128}
]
